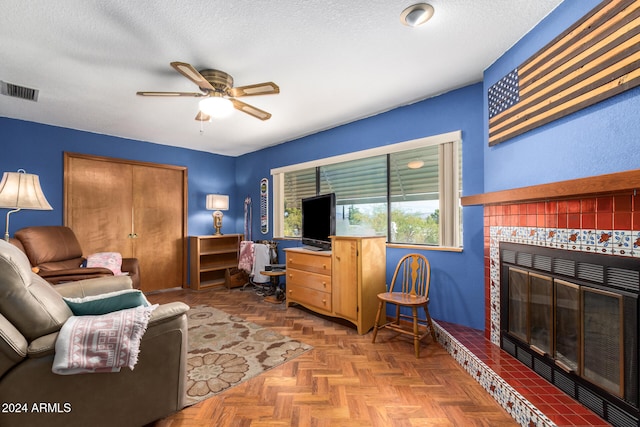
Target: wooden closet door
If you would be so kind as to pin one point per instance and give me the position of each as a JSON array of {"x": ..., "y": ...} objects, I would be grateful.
[
  {"x": 159, "y": 244},
  {"x": 135, "y": 208},
  {"x": 98, "y": 196}
]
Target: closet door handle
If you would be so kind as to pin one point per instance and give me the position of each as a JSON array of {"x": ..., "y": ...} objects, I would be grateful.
[{"x": 133, "y": 234}]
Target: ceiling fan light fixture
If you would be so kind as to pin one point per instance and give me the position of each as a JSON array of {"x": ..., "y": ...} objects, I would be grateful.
[
  {"x": 216, "y": 106},
  {"x": 416, "y": 15}
]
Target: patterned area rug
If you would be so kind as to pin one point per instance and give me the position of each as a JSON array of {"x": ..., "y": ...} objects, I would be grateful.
[{"x": 225, "y": 350}]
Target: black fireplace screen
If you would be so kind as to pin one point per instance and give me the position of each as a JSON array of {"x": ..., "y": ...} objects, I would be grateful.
[{"x": 578, "y": 314}]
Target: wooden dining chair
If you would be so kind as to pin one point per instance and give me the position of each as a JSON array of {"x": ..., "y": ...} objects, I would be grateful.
[{"x": 409, "y": 288}]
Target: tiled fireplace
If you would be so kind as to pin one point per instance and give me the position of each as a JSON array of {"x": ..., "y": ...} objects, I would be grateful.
[
  {"x": 572, "y": 317},
  {"x": 605, "y": 224}
]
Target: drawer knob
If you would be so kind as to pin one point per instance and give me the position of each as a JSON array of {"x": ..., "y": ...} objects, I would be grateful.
[
  {"x": 324, "y": 284},
  {"x": 324, "y": 266}
]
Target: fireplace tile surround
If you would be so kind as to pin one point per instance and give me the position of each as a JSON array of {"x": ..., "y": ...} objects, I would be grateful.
[{"x": 607, "y": 223}]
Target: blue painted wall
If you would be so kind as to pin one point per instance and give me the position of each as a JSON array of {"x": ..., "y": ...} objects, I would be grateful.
[
  {"x": 597, "y": 140},
  {"x": 600, "y": 139},
  {"x": 458, "y": 293},
  {"x": 39, "y": 149}
]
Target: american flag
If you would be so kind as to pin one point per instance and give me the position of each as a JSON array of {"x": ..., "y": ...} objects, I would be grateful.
[
  {"x": 594, "y": 59},
  {"x": 504, "y": 94}
]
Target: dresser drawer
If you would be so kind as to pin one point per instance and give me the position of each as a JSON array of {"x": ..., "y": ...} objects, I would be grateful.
[
  {"x": 305, "y": 279},
  {"x": 308, "y": 297},
  {"x": 309, "y": 262}
]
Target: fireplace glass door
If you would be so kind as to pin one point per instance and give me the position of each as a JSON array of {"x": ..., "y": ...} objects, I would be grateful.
[
  {"x": 541, "y": 313},
  {"x": 531, "y": 309},
  {"x": 519, "y": 303},
  {"x": 603, "y": 339},
  {"x": 567, "y": 325}
]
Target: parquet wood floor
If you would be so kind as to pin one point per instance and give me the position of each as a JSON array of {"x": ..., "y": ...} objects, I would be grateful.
[{"x": 344, "y": 381}]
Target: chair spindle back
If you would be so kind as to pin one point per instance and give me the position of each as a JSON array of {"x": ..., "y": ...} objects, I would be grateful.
[{"x": 413, "y": 274}]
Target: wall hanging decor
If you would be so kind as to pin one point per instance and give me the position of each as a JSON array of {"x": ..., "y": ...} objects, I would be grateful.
[
  {"x": 264, "y": 205},
  {"x": 248, "y": 217},
  {"x": 594, "y": 59}
]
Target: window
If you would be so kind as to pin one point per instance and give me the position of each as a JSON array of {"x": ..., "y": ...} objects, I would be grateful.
[
  {"x": 415, "y": 196},
  {"x": 408, "y": 192},
  {"x": 297, "y": 185},
  {"x": 361, "y": 202}
]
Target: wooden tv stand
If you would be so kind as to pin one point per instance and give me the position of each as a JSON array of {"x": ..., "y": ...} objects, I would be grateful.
[{"x": 343, "y": 282}]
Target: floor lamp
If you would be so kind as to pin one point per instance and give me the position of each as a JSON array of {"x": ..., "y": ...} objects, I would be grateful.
[{"x": 21, "y": 190}]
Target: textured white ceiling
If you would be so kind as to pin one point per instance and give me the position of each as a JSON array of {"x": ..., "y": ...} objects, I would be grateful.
[{"x": 335, "y": 61}]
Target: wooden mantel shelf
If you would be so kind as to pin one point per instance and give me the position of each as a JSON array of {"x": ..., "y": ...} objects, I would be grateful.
[{"x": 620, "y": 181}]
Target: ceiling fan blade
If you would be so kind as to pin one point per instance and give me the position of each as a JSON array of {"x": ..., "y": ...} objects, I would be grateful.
[
  {"x": 169, "y": 94},
  {"x": 202, "y": 117},
  {"x": 192, "y": 74},
  {"x": 251, "y": 110},
  {"x": 267, "y": 88}
]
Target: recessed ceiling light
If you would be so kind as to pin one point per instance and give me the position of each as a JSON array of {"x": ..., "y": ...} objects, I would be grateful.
[{"x": 417, "y": 14}]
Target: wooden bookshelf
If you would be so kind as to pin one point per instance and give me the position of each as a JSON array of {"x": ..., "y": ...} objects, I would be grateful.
[{"x": 211, "y": 258}]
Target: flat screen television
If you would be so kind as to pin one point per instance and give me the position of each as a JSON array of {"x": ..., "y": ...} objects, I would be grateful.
[{"x": 318, "y": 221}]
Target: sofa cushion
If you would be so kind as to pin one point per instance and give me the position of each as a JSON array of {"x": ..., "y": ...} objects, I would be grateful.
[
  {"x": 27, "y": 300},
  {"x": 107, "y": 303}
]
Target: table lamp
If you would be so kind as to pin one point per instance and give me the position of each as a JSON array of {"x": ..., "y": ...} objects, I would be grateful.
[{"x": 217, "y": 203}]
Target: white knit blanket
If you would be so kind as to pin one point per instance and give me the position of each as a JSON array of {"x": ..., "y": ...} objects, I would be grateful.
[{"x": 105, "y": 343}]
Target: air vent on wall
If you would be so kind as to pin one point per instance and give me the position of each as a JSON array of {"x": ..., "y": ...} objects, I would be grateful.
[{"x": 16, "y": 91}]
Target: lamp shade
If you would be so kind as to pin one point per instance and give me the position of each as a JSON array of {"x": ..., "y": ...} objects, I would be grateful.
[
  {"x": 217, "y": 202},
  {"x": 21, "y": 190}
]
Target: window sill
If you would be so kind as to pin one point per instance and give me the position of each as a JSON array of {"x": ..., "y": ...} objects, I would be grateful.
[
  {"x": 424, "y": 247},
  {"x": 396, "y": 245}
]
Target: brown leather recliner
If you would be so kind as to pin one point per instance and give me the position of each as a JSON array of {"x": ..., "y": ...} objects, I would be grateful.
[
  {"x": 55, "y": 254},
  {"x": 32, "y": 313}
]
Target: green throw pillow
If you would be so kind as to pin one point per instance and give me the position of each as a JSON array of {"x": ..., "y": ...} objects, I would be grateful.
[{"x": 107, "y": 303}]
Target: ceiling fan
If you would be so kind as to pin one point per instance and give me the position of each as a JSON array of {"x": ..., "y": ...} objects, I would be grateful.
[{"x": 218, "y": 93}]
